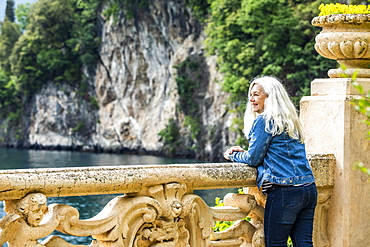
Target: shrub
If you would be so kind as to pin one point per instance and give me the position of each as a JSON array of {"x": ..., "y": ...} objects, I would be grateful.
[{"x": 170, "y": 136}]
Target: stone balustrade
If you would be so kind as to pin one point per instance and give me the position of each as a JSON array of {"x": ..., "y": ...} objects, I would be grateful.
[{"x": 157, "y": 208}]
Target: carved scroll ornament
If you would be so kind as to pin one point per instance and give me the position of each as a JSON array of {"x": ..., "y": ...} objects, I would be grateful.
[
  {"x": 162, "y": 215},
  {"x": 165, "y": 216}
]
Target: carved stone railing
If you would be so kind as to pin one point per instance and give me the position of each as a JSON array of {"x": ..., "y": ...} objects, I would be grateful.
[{"x": 157, "y": 208}]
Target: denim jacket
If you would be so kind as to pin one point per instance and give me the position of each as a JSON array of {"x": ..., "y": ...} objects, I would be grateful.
[{"x": 279, "y": 159}]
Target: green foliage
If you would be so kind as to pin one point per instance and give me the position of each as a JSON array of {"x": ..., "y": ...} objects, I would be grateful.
[
  {"x": 41, "y": 53},
  {"x": 60, "y": 39},
  {"x": 9, "y": 35},
  {"x": 267, "y": 37},
  {"x": 128, "y": 7},
  {"x": 221, "y": 225},
  {"x": 187, "y": 83},
  {"x": 200, "y": 8},
  {"x": 9, "y": 11},
  {"x": 13, "y": 118},
  {"x": 21, "y": 13},
  {"x": 359, "y": 2},
  {"x": 190, "y": 81},
  {"x": 170, "y": 136},
  {"x": 194, "y": 126},
  {"x": 9, "y": 97},
  {"x": 361, "y": 166},
  {"x": 8, "y": 93},
  {"x": 250, "y": 38},
  {"x": 362, "y": 104},
  {"x": 79, "y": 127},
  {"x": 94, "y": 102}
]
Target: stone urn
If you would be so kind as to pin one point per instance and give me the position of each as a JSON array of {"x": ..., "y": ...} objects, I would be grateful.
[{"x": 345, "y": 38}]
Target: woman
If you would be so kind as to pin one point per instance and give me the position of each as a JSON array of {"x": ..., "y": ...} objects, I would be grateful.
[{"x": 276, "y": 148}]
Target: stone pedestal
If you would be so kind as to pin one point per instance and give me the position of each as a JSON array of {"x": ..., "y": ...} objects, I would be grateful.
[{"x": 332, "y": 125}]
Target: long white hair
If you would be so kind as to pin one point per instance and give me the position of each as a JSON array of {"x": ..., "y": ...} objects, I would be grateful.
[{"x": 279, "y": 111}]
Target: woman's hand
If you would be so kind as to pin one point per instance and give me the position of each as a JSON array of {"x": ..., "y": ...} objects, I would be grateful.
[{"x": 231, "y": 150}]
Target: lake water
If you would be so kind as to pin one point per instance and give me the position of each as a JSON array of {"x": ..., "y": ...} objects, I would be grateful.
[{"x": 88, "y": 206}]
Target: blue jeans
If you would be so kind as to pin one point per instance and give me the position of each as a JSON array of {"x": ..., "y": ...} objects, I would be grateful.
[{"x": 289, "y": 212}]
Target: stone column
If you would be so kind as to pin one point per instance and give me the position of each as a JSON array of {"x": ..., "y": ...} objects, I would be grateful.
[{"x": 332, "y": 125}]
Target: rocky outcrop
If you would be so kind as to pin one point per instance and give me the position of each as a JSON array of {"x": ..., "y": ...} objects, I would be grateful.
[
  {"x": 62, "y": 118},
  {"x": 134, "y": 94}
]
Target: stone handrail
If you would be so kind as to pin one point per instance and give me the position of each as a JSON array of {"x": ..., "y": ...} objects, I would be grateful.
[
  {"x": 158, "y": 207},
  {"x": 77, "y": 181}
]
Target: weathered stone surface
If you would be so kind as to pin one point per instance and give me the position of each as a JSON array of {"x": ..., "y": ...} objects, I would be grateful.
[
  {"x": 323, "y": 168},
  {"x": 61, "y": 118},
  {"x": 158, "y": 207},
  {"x": 320, "y": 87},
  {"x": 339, "y": 129},
  {"x": 136, "y": 92},
  {"x": 138, "y": 59},
  {"x": 55, "y": 182},
  {"x": 345, "y": 38},
  {"x": 164, "y": 215}
]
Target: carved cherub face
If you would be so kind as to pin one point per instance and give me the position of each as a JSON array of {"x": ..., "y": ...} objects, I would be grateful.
[
  {"x": 176, "y": 208},
  {"x": 32, "y": 208}
]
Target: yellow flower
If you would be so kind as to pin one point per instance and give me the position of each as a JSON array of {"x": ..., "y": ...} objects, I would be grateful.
[{"x": 338, "y": 8}]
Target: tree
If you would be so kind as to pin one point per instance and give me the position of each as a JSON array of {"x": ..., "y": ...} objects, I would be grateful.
[
  {"x": 9, "y": 11},
  {"x": 61, "y": 37},
  {"x": 21, "y": 12},
  {"x": 9, "y": 35},
  {"x": 266, "y": 37}
]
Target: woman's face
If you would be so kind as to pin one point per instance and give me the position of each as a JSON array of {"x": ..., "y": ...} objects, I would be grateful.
[{"x": 257, "y": 98}]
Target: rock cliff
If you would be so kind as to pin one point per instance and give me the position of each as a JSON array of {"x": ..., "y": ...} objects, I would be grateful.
[{"x": 135, "y": 92}]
